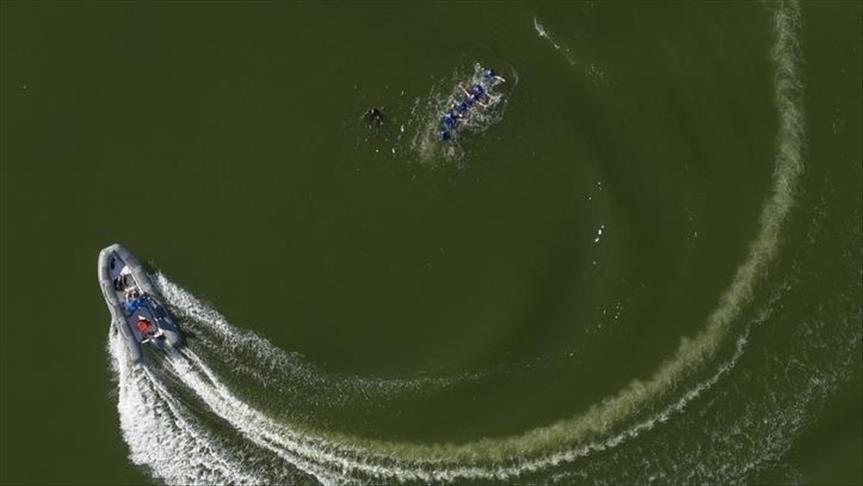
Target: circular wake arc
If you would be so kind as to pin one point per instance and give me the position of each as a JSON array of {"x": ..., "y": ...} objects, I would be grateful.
[{"x": 238, "y": 441}]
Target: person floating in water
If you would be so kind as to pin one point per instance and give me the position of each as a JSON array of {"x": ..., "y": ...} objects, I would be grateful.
[
  {"x": 488, "y": 75},
  {"x": 475, "y": 97},
  {"x": 449, "y": 121},
  {"x": 460, "y": 108},
  {"x": 374, "y": 117}
]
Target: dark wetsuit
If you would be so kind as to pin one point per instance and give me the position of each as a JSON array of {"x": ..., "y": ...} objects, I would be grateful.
[{"x": 373, "y": 116}]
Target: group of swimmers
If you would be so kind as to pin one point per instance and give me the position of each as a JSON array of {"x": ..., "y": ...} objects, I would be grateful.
[{"x": 472, "y": 98}]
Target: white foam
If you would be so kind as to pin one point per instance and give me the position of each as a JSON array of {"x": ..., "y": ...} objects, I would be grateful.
[
  {"x": 157, "y": 427},
  {"x": 155, "y": 421},
  {"x": 540, "y": 30}
]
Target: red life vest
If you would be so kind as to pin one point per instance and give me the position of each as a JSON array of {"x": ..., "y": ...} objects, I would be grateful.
[{"x": 143, "y": 325}]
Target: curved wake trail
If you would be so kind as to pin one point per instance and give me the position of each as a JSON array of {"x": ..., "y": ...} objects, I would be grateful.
[
  {"x": 590, "y": 69},
  {"x": 246, "y": 354},
  {"x": 259, "y": 448},
  {"x": 156, "y": 426},
  {"x": 542, "y": 32}
]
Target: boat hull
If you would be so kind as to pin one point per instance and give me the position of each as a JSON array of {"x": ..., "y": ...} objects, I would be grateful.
[{"x": 121, "y": 275}]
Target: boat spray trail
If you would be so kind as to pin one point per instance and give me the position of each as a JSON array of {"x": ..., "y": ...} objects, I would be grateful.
[{"x": 274, "y": 447}]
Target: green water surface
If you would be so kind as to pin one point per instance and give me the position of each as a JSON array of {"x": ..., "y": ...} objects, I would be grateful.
[{"x": 222, "y": 144}]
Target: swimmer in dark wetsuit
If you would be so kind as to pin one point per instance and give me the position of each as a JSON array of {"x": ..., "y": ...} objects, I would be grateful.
[{"x": 373, "y": 117}]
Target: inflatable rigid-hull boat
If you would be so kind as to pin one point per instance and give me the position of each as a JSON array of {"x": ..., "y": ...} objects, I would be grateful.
[{"x": 136, "y": 307}]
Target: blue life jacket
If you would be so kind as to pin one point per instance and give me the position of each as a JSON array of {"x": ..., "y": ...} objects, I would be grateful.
[
  {"x": 448, "y": 121},
  {"x": 131, "y": 305},
  {"x": 476, "y": 90}
]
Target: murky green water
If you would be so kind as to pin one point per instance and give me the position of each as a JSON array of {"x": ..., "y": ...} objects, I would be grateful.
[{"x": 645, "y": 266}]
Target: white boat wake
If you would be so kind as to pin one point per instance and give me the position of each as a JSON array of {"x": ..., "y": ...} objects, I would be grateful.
[{"x": 186, "y": 421}]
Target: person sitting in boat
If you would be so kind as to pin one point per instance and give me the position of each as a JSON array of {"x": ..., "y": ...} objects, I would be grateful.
[
  {"x": 148, "y": 331},
  {"x": 130, "y": 305},
  {"x": 143, "y": 325},
  {"x": 133, "y": 302}
]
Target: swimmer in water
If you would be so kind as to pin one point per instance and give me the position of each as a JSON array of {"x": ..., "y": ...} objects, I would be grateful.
[
  {"x": 373, "y": 117},
  {"x": 449, "y": 121},
  {"x": 488, "y": 75},
  {"x": 460, "y": 108},
  {"x": 473, "y": 95}
]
